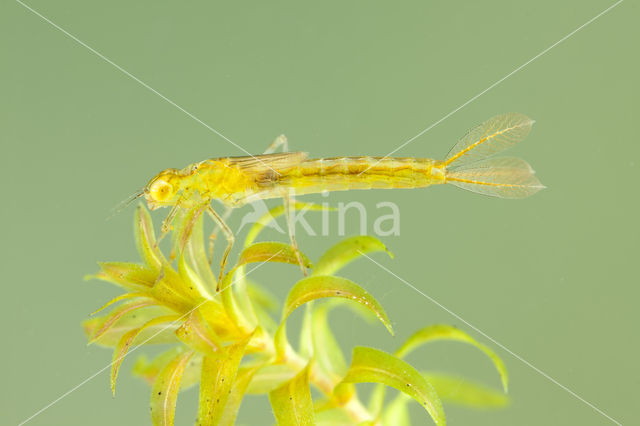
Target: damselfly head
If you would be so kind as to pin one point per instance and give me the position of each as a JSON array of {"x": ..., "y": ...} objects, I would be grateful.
[{"x": 163, "y": 189}]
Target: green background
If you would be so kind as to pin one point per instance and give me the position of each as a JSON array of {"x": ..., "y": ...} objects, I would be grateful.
[{"x": 553, "y": 277}]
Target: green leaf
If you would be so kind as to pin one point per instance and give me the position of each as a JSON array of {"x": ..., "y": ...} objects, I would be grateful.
[
  {"x": 397, "y": 412},
  {"x": 149, "y": 370},
  {"x": 281, "y": 343},
  {"x": 130, "y": 276},
  {"x": 292, "y": 403},
  {"x": 118, "y": 299},
  {"x": 317, "y": 287},
  {"x": 266, "y": 321},
  {"x": 263, "y": 302},
  {"x": 271, "y": 251},
  {"x": 173, "y": 292},
  {"x": 218, "y": 376},
  {"x": 192, "y": 372},
  {"x": 464, "y": 392},
  {"x": 129, "y": 321},
  {"x": 333, "y": 417},
  {"x": 262, "y": 297},
  {"x": 346, "y": 251},
  {"x": 192, "y": 280},
  {"x": 242, "y": 299},
  {"x": 376, "y": 400},
  {"x": 447, "y": 332},
  {"x": 243, "y": 378},
  {"x": 305, "y": 346},
  {"x": 164, "y": 392},
  {"x": 146, "y": 240},
  {"x": 327, "y": 351},
  {"x": 110, "y": 319},
  {"x": 183, "y": 226},
  {"x": 196, "y": 333},
  {"x": 215, "y": 315},
  {"x": 127, "y": 340},
  {"x": 373, "y": 366},
  {"x": 258, "y": 252},
  {"x": 270, "y": 377},
  {"x": 195, "y": 255},
  {"x": 232, "y": 309},
  {"x": 273, "y": 214}
]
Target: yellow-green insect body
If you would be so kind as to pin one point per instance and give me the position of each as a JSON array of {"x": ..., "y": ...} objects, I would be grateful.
[
  {"x": 236, "y": 181},
  {"x": 469, "y": 165}
]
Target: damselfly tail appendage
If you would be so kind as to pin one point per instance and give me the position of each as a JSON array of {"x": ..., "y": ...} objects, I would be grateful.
[{"x": 470, "y": 165}]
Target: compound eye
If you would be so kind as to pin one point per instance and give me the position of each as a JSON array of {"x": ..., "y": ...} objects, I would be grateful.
[{"x": 161, "y": 190}]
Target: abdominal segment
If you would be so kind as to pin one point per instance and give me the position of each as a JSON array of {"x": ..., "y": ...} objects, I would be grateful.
[{"x": 345, "y": 173}]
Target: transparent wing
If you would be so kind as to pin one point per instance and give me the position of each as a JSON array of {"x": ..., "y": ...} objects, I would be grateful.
[
  {"x": 503, "y": 177},
  {"x": 489, "y": 138},
  {"x": 268, "y": 163}
]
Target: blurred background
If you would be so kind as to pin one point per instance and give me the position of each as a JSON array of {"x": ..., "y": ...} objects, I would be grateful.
[{"x": 553, "y": 277}]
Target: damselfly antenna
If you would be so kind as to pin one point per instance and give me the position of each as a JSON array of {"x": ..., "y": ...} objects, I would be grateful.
[{"x": 125, "y": 203}]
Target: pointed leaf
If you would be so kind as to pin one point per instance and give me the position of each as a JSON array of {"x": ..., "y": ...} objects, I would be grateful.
[
  {"x": 346, "y": 251},
  {"x": 118, "y": 299},
  {"x": 270, "y": 377},
  {"x": 397, "y": 412},
  {"x": 292, "y": 403},
  {"x": 271, "y": 251},
  {"x": 464, "y": 392},
  {"x": 447, "y": 332},
  {"x": 183, "y": 225},
  {"x": 281, "y": 343},
  {"x": 266, "y": 321},
  {"x": 196, "y": 333},
  {"x": 376, "y": 400},
  {"x": 327, "y": 351},
  {"x": 116, "y": 314},
  {"x": 173, "y": 292},
  {"x": 227, "y": 296},
  {"x": 243, "y": 301},
  {"x": 243, "y": 378},
  {"x": 333, "y": 417},
  {"x": 164, "y": 392},
  {"x": 322, "y": 286},
  {"x": 258, "y": 252},
  {"x": 218, "y": 376},
  {"x": 125, "y": 343},
  {"x": 262, "y": 297},
  {"x": 263, "y": 302},
  {"x": 130, "y": 276},
  {"x": 195, "y": 255},
  {"x": 131, "y": 320},
  {"x": 305, "y": 346},
  {"x": 374, "y": 366},
  {"x": 192, "y": 372},
  {"x": 146, "y": 240},
  {"x": 149, "y": 369},
  {"x": 192, "y": 280},
  {"x": 215, "y": 315}
]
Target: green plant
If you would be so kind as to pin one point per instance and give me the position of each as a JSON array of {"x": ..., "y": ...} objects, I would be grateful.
[{"x": 230, "y": 344}]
